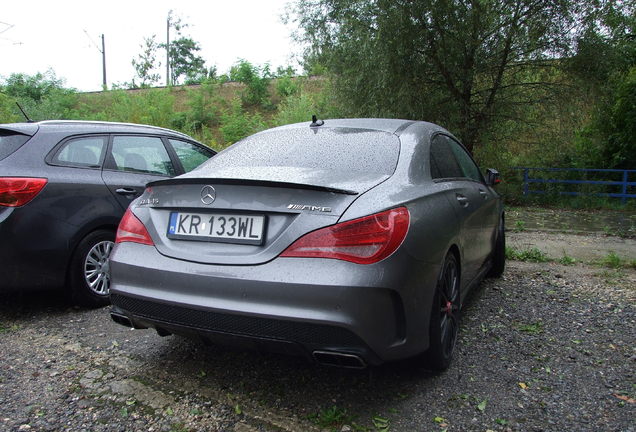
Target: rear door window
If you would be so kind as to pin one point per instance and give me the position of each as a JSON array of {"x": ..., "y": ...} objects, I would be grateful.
[
  {"x": 443, "y": 161},
  {"x": 141, "y": 154},
  {"x": 190, "y": 155},
  {"x": 468, "y": 166}
]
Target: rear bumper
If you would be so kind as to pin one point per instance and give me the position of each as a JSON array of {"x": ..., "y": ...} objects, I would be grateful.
[
  {"x": 301, "y": 306},
  {"x": 34, "y": 250}
]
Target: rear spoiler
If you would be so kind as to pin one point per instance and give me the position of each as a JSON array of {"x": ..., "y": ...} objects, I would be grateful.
[{"x": 244, "y": 182}]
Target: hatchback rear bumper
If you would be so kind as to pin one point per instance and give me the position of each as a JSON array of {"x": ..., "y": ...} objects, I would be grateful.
[{"x": 34, "y": 250}]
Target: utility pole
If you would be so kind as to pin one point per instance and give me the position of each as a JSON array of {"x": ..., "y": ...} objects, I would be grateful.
[
  {"x": 103, "y": 51},
  {"x": 168, "y": 53},
  {"x": 104, "y": 60}
]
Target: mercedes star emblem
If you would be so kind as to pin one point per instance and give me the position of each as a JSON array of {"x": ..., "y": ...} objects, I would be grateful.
[{"x": 208, "y": 195}]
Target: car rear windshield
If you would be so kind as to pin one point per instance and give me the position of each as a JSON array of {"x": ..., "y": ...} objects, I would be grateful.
[
  {"x": 337, "y": 149},
  {"x": 11, "y": 141}
]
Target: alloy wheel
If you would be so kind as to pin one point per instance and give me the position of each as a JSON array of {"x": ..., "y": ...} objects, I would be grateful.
[{"x": 97, "y": 267}]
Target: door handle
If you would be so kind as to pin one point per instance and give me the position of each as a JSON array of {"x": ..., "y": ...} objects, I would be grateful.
[
  {"x": 127, "y": 191},
  {"x": 483, "y": 193},
  {"x": 463, "y": 201}
]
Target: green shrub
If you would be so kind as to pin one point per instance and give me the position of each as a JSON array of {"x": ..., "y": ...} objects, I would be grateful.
[
  {"x": 257, "y": 81},
  {"x": 202, "y": 113},
  {"x": 236, "y": 124},
  {"x": 152, "y": 107}
]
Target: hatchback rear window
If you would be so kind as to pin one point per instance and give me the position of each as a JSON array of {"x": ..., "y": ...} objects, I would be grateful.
[
  {"x": 340, "y": 150},
  {"x": 11, "y": 141}
]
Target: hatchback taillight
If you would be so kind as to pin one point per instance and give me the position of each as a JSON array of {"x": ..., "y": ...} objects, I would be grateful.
[
  {"x": 17, "y": 191},
  {"x": 362, "y": 241},
  {"x": 132, "y": 230}
]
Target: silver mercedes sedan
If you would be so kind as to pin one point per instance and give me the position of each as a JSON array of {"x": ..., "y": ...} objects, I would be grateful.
[{"x": 353, "y": 242}]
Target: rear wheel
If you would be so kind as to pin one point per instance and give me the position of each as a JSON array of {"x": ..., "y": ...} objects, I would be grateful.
[
  {"x": 444, "y": 324},
  {"x": 89, "y": 270}
]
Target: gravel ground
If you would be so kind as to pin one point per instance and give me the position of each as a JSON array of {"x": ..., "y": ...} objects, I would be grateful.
[{"x": 547, "y": 347}]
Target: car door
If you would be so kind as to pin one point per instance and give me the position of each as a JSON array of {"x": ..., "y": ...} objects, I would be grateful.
[
  {"x": 132, "y": 162},
  {"x": 465, "y": 199},
  {"x": 486, "y": 215},
  {"x": 76, "y": 192}
]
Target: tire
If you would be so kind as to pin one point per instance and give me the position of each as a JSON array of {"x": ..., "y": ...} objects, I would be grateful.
[
  {"x": 89, "y": 270},
  {"x": 499, "y": 256},
  {"x": 444, "y": 322}
]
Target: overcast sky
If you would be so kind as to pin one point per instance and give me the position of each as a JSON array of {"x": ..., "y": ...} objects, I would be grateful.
[{"x": 37, "y": 35}]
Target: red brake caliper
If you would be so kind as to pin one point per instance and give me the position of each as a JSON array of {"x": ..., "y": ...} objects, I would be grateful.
[{"x": 449, "y": 309}]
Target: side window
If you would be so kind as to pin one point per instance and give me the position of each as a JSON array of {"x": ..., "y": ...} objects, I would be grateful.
[
  {"x": 10, "y": 142},
  {"x": 142, "y": 154},
  {"x": 443, "y": 162},
  {"x": 81, "y": 152},
  {"x": 190, "y": 155},
  {"x": 470, "y": 169}
]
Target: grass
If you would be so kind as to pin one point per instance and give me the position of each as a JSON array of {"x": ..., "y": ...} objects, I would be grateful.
[
  {"x": 331, "y": 418},
  {"x": 612, "y": 261},
  {"x": 531, "y": 328},
  {"x": 566, "y": 260},
  {"x": 529, "y": 255}
]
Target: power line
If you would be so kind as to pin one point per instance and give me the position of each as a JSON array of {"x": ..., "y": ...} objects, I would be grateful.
[
  {"x": 93, "y": 41},
  {"x": 8, "y": 28}
]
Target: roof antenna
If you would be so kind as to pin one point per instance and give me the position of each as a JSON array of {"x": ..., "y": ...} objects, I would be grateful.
[
  {"x": 315, "y": 122},
  {"x": 25, "y": 115}
]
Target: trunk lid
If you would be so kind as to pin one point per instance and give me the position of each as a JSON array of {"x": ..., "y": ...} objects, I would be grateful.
[{"x": 178, "y": 212}]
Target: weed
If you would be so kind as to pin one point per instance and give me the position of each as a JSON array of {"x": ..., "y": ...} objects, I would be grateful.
[
  {"x": 566, "y": 260},
  {"x": 4, "y": 330},
  {"x": 530, "y": 255},
  {"x": 332, "y": 418},
  {"x": 520, "y": 226},
  {"x": 612, "y": 261},
  {"x": 381, "y": 424},
  {"x": 531, "y": 328}
]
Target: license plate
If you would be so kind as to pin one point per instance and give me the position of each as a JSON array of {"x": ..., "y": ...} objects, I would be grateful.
[{"x": 226, "y": 228}]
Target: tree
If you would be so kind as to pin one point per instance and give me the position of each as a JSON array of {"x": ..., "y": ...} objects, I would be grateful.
[
  {"x": 146, "y": 63},
  {"x": 184, "y": 61},
  {"x": 42, "y": 96},
  {"x": 34, "y": 87},
  {"x": 463, "y": 64},
  {"x": 605, "y": 65}
]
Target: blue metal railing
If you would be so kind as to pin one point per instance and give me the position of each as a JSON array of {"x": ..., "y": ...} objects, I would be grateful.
[{"x": 623, "y": 184}]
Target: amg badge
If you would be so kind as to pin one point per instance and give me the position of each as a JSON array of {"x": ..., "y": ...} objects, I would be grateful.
[{"x": 308, "y": 207}]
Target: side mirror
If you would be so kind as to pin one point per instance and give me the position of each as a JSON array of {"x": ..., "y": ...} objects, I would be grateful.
[{"x": 492, "y": 177}]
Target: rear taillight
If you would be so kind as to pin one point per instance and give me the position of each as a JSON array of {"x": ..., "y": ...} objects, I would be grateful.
[
  {"x": 362, "y": 241},
  {"x": 17, "y": 191},
  {"x": 132, "y": 230}
]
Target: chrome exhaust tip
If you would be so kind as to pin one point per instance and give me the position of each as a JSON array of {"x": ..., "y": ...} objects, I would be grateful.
[{"x": 330, "y": 358}]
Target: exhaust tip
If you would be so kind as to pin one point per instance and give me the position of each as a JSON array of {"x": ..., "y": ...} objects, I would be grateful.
[
  {"x": 121, "y": 319},
  {"x": 339, "y": 359}
]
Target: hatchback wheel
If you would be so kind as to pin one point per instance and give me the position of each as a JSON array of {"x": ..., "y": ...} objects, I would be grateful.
[
  {"x": 89, "y": 271},
  {"x": 444, "y": 324}
]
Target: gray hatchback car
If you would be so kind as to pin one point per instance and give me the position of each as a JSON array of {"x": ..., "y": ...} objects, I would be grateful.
[
  {"x": 352, "y": 242},
  {"x": 64, "y": 187}
]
